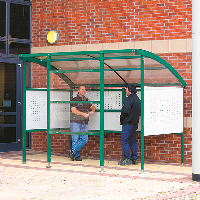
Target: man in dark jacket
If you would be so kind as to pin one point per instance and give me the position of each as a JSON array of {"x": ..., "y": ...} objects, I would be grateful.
[{"x": 129, "y": 118}]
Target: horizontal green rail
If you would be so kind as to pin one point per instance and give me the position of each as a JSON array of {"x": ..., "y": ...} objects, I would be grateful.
[
  {"x": 108, "y": 110},
  {"x": 45, "y": 89},
  {"x": 96, "y": 131},
  {"x": 92, "y": 58},
  {"x": 136, "y": 84},
  {"x": 78, "y": 70},
  {"x": 75, "y": 133},
  {"x": 104, "y": 89},
  {"x": 41, "y": 55},
  {"x": 72, "y": 102},
  {"x": 98, "y": 70},
  {"x": 70, "y": 59},
  {"x": 118, "y": 57},
  {"x": 35, "y": 130}
]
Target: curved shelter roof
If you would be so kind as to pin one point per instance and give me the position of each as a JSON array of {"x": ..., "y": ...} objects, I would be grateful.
[{"x": 120, "y": 67}]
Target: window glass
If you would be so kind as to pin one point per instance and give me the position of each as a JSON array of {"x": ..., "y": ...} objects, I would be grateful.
[
  {"x": 7, "y": 135},
  {"x": 7, "y": 88},
  {"x": 2, "y": 19},
  {"x": 2, "y": 47},
  {"x": 19, "y": 21},
  {"x": 8, "y": 119},
  {"x": 19, "y": 48}
]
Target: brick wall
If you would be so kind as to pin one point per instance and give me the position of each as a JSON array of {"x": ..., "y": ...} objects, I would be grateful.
[
  {"x": 102, "y": 21},
  {"x": 90, "y": 22}
]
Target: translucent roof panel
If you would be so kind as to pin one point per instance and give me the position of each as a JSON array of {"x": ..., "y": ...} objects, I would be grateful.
[
  {"x": 76, "y": 65},
  {"x": 119, "y": 70},
  {"x": 120, "y": 67},
  {"x": 157, "y": 73},
  {"x": 133, "y": 76},
  {"x": 124, "y": 63},
  {"x": 84, "y": 78},
  {"x": 156, "y": 77},
  {"x": 150, "y": 63}
]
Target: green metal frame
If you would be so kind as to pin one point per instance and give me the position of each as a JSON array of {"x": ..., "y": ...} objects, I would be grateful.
[
  {"x": 45, "y": 59},
  {"x": 182, "y": 136},
  {"x": 48, "y": 112},
  {"x": 142, "y": 114},
  {"x": 102, "y": 111}
]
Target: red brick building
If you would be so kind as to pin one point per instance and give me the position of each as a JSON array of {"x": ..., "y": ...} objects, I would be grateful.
[{"x": 163, "y": 27}]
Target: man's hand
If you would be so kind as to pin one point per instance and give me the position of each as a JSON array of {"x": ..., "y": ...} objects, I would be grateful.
[
  {"x": 86, "y": 115},
  {"x": 77, "y": 112},
  {"x": 91, "y": 113}
]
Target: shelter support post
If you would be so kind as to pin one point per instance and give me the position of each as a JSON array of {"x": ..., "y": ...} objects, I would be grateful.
[
  {"x": 48, "y": 112},
  {"x": 182, "y": 148},
  {"x": 195, "y": 90},
  {"x": 123, "y": 98},
  {"x": 142, "y": 114},
  {"x": 24, "y": 114},
  {"x": 102, "y": 112},
  {"x": 182, "y": 136},
  {"x": 70, "y": 139}
]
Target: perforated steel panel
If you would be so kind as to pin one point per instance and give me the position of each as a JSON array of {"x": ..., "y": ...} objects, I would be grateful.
[
  {"x": 111, "y": 121},
  {"x": 36, "y": 110},
  {"x": 163, "y": 110},
  {"x": 59, "y": 112},
  {"x": 112, "y": 99}
]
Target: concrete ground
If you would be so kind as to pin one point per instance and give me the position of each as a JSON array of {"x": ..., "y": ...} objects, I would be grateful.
[{"x": 68, "y": 179}]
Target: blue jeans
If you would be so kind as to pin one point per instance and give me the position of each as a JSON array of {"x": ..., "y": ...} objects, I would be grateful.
[
  {"x": 128, "y": 141},
  {"x": 78, "y": 141}
]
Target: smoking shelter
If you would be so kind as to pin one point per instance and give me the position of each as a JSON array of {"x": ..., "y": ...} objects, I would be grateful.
[{"x": 105, "y": 74}]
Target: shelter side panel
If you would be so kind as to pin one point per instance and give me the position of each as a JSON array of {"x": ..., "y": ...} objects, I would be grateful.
[{"x": 163, "y": 110}]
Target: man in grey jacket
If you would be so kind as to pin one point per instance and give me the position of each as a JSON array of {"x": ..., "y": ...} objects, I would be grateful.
[{"x": 129, "y": 118}]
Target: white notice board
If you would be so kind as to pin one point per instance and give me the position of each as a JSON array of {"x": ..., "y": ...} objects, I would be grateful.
[{"x": 163, "y": 110}]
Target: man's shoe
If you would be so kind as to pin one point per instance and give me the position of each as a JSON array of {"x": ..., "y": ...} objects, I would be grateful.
[
  {"x": 71, "y": 154},
  {"x": 126, "y": 161},
  {"x": 134, "y": 162},
  {"x": 78, "y": 158}
]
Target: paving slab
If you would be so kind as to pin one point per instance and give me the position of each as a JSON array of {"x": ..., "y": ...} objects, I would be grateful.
[{"x": 68, "y": 179}]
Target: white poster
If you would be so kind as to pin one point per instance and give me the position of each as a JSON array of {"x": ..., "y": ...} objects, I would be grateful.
[{"x": 163, "y": 110}]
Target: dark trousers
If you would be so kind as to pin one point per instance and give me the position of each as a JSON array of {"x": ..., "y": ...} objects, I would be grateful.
[{"x": 128, "y": 141}]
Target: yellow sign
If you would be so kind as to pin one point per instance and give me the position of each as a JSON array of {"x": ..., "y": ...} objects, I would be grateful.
[{"x": 52, "y": 37}]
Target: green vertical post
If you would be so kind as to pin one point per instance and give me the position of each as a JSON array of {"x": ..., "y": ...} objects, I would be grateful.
[
  {"x": 123, "y": 98},
  {"x": 48, "y": 112},
  {"x": 182, "y": 135},
  {"x": 24, "y": 113},
  {"x": 142, "y": 114},
  {"x": 70, "y": 139},
  {"x": 102, "y": 112}
]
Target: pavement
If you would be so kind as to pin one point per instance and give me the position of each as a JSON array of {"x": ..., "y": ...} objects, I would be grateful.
[{"x": 67, "y": 179}]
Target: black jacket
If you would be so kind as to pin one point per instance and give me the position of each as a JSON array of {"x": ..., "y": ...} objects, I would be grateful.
[{"x": 131, "y": 110}]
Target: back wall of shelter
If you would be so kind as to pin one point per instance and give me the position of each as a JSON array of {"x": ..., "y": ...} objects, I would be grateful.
[{"x": 159, "y": 26}]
